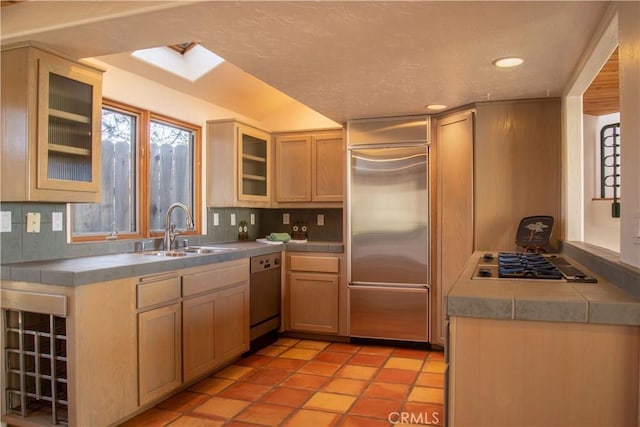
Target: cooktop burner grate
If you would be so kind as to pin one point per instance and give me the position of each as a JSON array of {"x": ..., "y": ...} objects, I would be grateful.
[{"x": 518, "y": 265}]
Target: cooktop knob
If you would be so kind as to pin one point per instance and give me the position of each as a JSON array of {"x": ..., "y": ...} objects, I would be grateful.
[{"x": 484, "y": 272}]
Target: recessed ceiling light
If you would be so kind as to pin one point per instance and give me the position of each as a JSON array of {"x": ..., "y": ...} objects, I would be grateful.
[
  {"x": 508, "y": 62},
  {"x": 436, "y": 107}
]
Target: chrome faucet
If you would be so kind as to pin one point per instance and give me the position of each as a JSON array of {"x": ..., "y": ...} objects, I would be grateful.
[{"x": 170, "y": 232}]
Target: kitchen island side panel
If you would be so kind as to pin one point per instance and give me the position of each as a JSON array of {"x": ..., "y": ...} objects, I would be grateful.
[{"x": 514, "y": 373}]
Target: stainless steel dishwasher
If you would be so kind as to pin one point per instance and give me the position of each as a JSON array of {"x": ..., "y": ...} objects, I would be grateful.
[{"x": 264, "y": 299}]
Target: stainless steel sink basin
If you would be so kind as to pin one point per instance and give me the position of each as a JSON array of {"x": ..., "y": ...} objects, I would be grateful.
[
  {"x": 208, "y": 249},
  {"x": 166, "y": 253},
  {"x": 191, "y": 250}
]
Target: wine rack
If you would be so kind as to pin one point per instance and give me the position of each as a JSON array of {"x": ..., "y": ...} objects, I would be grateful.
[{"x": 36, "y": 365}]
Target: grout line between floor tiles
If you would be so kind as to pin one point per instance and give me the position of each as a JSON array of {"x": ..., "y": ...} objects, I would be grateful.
[{"x": 340, "y": 416}]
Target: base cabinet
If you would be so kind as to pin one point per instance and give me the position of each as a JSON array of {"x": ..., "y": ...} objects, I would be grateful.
[
  {"x": 130, "y": 342},
  {"x": 199, "y": 337},
  {"x": 159, "y": 352},
  {"x": 516, "y": 373},
  {"x": 101, "y": 350},
  {"x": 314, "y": 302},
  {"x": 313, "y": 296},
  {"x": 159, "y": 336},
  {"x": 232, "y": 324},
  {"x": 215, "y": 316}
]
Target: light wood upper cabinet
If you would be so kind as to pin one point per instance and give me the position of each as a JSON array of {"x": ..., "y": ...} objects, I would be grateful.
[
  {"x": 293, "y": 173},
  {"x": 238, "y": 165},
  {"x": 310, "y": 167},
  {"x": 327, "y": 167},
  {"x": 51, "y": 109}
]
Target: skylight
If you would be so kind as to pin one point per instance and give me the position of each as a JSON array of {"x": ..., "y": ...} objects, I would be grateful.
[{"x": 193, "y": 62}]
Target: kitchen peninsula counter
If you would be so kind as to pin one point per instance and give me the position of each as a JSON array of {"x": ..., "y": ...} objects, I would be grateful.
[
  {"x": 542, "y": 300},
  {"x": 95, "y": 269},
  {"x": 541, "y": 352}
]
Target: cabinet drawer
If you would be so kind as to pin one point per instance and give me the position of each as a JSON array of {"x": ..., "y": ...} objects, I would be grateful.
[
  {"x": 214, "y": 279},
  {"x": 34, "y": 302},
  {"x": 157, "y": 292},
  {"x": 315, "y": 264}
]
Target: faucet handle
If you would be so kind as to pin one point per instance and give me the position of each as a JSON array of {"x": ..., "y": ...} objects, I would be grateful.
[{"x": 142, "y": 246}]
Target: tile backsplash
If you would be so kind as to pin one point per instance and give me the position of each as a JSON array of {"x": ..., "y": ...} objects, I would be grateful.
[
  {"x": 271, "y": 222},
  {"x": 19, "y": 246}
]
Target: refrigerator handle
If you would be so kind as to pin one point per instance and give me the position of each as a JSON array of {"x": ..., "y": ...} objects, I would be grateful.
[{"x": 390, "y": 285}]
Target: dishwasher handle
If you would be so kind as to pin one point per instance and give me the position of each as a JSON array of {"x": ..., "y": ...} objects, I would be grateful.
[{"x": 265, "y": 262}]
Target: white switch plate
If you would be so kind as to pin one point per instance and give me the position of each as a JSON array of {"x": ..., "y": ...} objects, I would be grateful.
[
  {"x": 233, "y": 219},
  {"x": 285, "y": 218},
  {"x": 56, "y": 221},
  {"x": 5, "y": 222},
  {"x": 320, "y": 219},
  {"x": 253, "y": 219},
  {"x": 33, "y": 222},
  {"x": 216, "y": 219}
]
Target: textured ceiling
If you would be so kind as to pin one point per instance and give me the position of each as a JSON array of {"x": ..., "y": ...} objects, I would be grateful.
[{"x": 343, "y": 59}]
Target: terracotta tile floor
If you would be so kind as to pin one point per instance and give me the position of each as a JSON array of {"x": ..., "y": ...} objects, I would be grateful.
[{"x": 312, "y": 384}]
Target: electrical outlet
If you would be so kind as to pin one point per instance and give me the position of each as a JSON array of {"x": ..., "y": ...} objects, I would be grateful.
[
  {"x": 252, "y": 219},
  {"x": 216, "y": 219},
  {"x": 285, "y": 218},
  {"x": 5, "y": 222},
  {"x": 320, "y": 220},
  {"x": 233, "y": 219},
  {"x": 56, "y": 221}
]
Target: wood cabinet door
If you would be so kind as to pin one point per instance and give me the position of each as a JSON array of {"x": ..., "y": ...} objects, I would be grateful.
[
  {"x": 254, "y": 163},
  {"x": 69, "y": 118},
  {"x": 199, "y": 334},
  {"x": 293, "y": 168},
  {"x": 232, "y": 322},
  {"x": 328, "y": 167},
  {"x": 454, "y": 207},
  {"x": 159, "y": 352},
  {"x": 313, "y": 302}
]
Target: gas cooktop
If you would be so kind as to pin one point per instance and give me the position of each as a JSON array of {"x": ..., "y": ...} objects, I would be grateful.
[{"x": 528, "y": 266}]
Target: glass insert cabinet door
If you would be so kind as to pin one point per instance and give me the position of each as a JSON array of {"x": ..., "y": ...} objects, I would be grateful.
[
  {"x": 253, "y": 163},
  {"x": 69, "y": 99}
]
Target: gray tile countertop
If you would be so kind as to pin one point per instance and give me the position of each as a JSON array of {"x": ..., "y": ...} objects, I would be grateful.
[
  {"x": 512, "y": 299},
  {"x": 95, "y": 269}
]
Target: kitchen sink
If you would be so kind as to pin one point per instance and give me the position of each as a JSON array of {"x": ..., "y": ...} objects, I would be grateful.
[
  {"x": 208, "y": 249},
  {"x": 166, "y": 253},
  {"x": 191, "y": 250}
]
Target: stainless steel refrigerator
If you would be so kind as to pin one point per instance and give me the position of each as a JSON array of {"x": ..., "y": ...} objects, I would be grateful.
[{"x": 388, "y": 228}]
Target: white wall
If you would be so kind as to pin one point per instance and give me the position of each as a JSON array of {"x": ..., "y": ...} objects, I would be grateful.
[
  {"x": 599, "y": 227},
  {"x": 135, "y": 90},
  {"x": 629, "y": 38},
  {"x": 621, "y": 27},
  {"x": 295, "y": 116}
]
